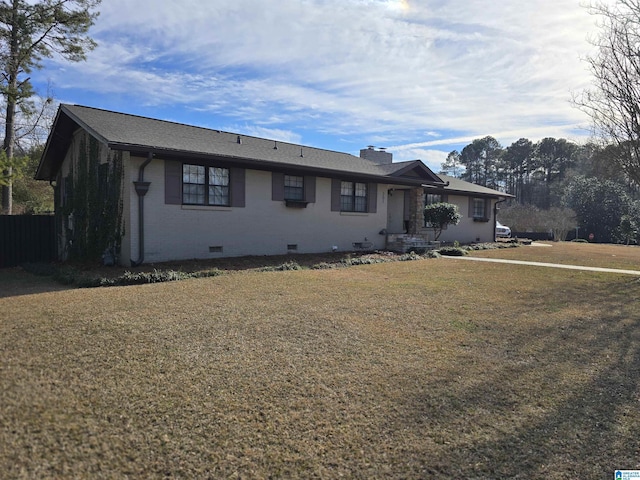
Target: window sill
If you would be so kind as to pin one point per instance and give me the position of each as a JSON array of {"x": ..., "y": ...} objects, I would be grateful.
[
  {"x": 207, "y": 208},
  {"x": 480, "y": 219},
  {"x": 296, "y": 203},
  {"x": 354, "y": 214}
]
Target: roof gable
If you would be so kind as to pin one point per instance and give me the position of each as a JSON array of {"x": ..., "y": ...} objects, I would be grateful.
[{"x": 412, "y": 169}]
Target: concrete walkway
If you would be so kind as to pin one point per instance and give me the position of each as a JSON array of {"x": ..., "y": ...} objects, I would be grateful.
[{"x": 550, "y": 265}]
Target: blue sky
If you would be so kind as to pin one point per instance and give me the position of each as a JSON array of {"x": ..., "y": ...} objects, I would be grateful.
[{"x": 420, "y": 78}]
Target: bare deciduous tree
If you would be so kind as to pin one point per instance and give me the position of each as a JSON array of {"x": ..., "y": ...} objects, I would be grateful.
[{"x": 613, "y": 103}]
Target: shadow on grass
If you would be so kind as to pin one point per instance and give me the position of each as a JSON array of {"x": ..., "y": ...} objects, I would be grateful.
[
  {"x": 15, "y": 282},
  {"x": 558, "y": 401}
]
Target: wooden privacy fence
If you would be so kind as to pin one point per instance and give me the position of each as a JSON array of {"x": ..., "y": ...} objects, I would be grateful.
[{"x": 26, "y": 238}]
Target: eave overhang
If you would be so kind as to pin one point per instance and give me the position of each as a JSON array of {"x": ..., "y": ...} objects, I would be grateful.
[
  {"x": 66, "y": 123},
  {"x": 266, "y": 165},
  {"x": 468, "y": 193}
]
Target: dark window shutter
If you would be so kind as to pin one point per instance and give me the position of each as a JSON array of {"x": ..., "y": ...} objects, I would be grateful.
[
  {"x": 277, "y": 186},
  {"x": 372, "y": 197},
  {"x": 335, "y": 195},
  {"x": 487, "y": 208},
  {"x": 445, "y": 198},
  {"x": 310, "y": 189},
  {"x": 172, "y": 182},
  {"x": 237, "y": 195},
  {"x": 470, "y": 207}
]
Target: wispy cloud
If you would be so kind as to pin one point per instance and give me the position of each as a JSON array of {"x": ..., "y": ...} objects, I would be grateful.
[{"x": 404, "y": 72}]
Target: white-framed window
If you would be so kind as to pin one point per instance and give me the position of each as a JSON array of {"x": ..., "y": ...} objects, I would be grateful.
[
  {"x": 478, "y": 208},
  {"x": 205, "y": 185},
  {"x": 353, "y": 197},
  {"x": 293, "y": 187}
]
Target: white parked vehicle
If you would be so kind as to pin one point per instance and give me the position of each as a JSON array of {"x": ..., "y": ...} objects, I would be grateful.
[{"x": 502, "y": 230}]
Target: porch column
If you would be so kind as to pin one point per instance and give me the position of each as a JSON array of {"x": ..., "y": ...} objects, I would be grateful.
[{"x": 416, "y": 210}]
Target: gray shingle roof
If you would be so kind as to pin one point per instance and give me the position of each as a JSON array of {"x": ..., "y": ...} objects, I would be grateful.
[
  {"x": 461, "y": 186},
  {"x": 141, "y": 134}
]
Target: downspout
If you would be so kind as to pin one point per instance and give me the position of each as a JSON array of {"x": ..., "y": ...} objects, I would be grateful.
[
  {"x": 142, "y": 188},
  {"x": 495, "y": 216}
]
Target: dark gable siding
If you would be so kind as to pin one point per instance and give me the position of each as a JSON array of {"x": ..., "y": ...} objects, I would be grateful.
[{"x": 172, "y": 182}]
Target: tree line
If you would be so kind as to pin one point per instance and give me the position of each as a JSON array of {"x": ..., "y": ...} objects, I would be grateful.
[{"x": 558, "y": 185}]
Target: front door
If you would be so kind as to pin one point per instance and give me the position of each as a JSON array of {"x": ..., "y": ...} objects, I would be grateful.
[{"x": 395, "y": 211}]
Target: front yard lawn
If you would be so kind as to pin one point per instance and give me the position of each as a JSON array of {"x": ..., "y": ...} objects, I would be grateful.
[{"x": 424, "y": 369}]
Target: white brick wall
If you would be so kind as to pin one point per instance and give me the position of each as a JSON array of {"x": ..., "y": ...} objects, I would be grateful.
[
  {"x": 262, "y": 227},
  {"x": 467, "y": 230}
]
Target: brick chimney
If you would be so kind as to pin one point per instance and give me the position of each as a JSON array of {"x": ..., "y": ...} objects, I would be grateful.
[{"x": 379, "y": 157}]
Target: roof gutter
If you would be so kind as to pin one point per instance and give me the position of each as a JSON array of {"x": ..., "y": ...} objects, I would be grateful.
[
  {"x": 438, "y": 185},
  {"x": 142, "y": 188},
  {"x": 269, "y": 165}
]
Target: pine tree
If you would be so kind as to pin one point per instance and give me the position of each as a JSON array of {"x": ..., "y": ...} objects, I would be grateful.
[{"x": 29, "y": 32}]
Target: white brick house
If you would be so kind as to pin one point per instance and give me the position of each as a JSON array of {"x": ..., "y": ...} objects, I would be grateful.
[{"x": 189, "y": 192}]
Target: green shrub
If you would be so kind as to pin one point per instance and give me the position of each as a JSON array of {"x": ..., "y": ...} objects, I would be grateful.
[
  {"x": 324, "y": 266},
  {"x": 410, "y": 256},
  {"x": 452, "y": 251},
  {"x": 490, "y": 246},
  {"x": 363, "y": 261},
  {"x": 69, "y": 276},
  {"x": 439, "y": 215},
  {"x": 293, "y": 265},
  {"x": 214, "y": 272},
  {"x": 138, "y": 278}
]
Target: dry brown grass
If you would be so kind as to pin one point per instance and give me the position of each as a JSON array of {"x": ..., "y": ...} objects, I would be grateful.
[
  {"x": 424, "y": 369},
  {"x": 574, "y": 253}
]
